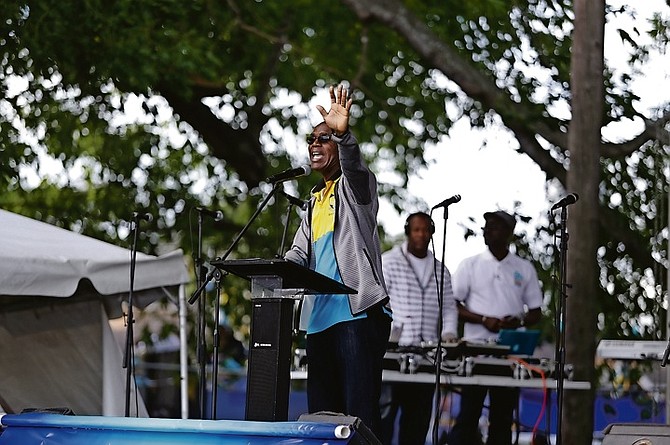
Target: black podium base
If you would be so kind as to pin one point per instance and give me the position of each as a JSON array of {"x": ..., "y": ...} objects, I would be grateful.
[{"x": 269, "y": 370}]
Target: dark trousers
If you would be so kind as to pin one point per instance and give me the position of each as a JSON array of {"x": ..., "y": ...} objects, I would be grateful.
[
  {"x": 415, "y": 403},
  {"x": 345, "y": 368},
  {"x": 502, "y": 402}
]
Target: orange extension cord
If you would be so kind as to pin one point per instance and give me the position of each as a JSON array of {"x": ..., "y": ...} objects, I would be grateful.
[{"x": 544, "y": 391}]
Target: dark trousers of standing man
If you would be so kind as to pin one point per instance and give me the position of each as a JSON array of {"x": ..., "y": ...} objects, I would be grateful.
[
  {"x": 502, "y": 402},
  {"x": 344, "y": 371},
  {"x": 415, "y": 403}
]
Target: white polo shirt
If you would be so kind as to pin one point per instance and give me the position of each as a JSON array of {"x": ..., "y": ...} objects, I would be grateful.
[{"x": 495, "y": 288}]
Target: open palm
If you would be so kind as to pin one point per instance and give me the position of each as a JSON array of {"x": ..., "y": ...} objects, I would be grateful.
[{"x": 337, "y": 118}]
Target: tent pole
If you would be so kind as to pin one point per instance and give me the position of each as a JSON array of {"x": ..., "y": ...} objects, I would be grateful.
[
  {"x": 667, "y": 312},
  {"x": 183, "y": 353}
]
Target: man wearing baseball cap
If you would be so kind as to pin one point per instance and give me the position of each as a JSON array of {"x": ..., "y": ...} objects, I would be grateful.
[{"x": 496, "y": 290}]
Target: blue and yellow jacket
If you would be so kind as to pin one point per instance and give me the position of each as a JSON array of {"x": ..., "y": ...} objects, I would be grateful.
[{"x": 355, "y": 236}]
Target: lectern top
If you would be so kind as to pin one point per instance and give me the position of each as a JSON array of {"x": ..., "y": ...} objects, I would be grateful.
[{"x": 293, "y": 275}]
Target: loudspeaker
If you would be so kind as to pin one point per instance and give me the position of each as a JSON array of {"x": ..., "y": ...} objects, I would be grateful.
[
  {"x": 269, "y": 367},
  {"x": 636, "y": 434},
  {"x": 350, "y": 427},
  {"x": 425, "y": 215}
]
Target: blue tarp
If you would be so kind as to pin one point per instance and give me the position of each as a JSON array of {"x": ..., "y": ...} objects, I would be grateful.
[
  {"x": 628, "y": 408},
  {"x": 56, "y": 429}
]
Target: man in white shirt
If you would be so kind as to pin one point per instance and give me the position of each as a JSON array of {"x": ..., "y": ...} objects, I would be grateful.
[
  {"x": 409, "y": 271},
  {"x": 495, "y": 290}
]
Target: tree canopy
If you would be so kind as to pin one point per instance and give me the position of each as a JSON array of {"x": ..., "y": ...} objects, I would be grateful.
[{"x": 166, "y": 105}]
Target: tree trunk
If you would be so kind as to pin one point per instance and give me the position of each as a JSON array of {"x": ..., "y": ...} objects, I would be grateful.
[{"x": 583, "y": 178}]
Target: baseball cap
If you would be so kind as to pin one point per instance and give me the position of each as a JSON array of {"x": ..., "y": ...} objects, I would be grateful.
[{"x": 503, "y": 216}]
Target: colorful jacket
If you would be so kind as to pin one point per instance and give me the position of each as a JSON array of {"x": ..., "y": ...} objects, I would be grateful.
[{"x": 355, "y": 236}]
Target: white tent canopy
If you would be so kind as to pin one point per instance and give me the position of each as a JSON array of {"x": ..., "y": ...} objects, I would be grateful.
[
  {"x": 60, "y": 352},
  {"x": 45, "y": 260}
]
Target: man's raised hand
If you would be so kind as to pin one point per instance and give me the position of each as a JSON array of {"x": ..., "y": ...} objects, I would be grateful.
[{"x": 337, "y": 118}]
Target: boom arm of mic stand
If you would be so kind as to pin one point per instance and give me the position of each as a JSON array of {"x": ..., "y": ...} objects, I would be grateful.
[
  {"x": 210, "y": 276},
  {"x": 666, "y": 353},
  {"x": 198, "y": 291},
  {"x": 280, "y": 253}
]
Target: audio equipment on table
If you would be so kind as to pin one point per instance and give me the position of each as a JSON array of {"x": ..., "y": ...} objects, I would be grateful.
[
  {"x": 487, "y": 366},
  {"x": 413, "y": 359},
  {"x": 631, "y": 349},
  {"x": 466, "y": 348},
  {"x": 528, "y": 368},
  {"x": 421, "y": 360},
  {"x": 408, "y": 362}
]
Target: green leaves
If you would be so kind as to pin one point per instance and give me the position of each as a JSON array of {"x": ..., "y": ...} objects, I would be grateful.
[{"x": 164, "y": 105}]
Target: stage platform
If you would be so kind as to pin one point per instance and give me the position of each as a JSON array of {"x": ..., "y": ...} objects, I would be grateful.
[{"x": 58, "y": 429}]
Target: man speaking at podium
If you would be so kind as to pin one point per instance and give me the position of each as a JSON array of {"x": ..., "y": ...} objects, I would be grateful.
[{"x": 346, "y": 334}]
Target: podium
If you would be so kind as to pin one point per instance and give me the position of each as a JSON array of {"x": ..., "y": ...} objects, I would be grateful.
[{"x": 275, "y": 285}]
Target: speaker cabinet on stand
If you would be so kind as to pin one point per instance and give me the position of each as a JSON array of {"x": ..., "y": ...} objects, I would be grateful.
[{"x": 269, "y": 371}]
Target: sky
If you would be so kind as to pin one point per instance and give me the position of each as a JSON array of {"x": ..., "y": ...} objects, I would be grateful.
[{"x": 487, "y": 178}]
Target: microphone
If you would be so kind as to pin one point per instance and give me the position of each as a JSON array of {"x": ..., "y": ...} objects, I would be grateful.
[
  {"x": 148, "y": 217},
  {"x": 290, "y": 174},
  {"x": 565, "y": 201},
  {"x": 447, "y": 202},
  {"x": 216, "y": 214},
  {"x": 295, "y": 201}
]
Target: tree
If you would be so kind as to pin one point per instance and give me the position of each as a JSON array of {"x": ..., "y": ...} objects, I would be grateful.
[
  {"x": 587, "y": 88},
  {"x": 222, "y": 87}
]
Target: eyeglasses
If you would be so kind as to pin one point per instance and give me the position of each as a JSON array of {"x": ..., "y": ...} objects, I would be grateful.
[{"x": 322, "y": 138}]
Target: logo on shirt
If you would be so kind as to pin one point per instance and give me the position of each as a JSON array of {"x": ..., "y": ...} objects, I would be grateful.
[{"x": 518, "y": 279}]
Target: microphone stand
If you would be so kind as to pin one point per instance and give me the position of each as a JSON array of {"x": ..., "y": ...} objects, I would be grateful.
[
  {"x": 201, "y": 346},
  {"x": 215, "y": 360},
  {"x": 560, "y": 323},
  {"x": 666, "y": 353},
  {"x": 211, "y": 275},
  {"x": 438, "y": 351},
  {"x": 219, "y": 275},
  {"x": 280, "y": 252},
  {"x": 292, "y": 201},
  {"x": 128, "y": 359}
]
